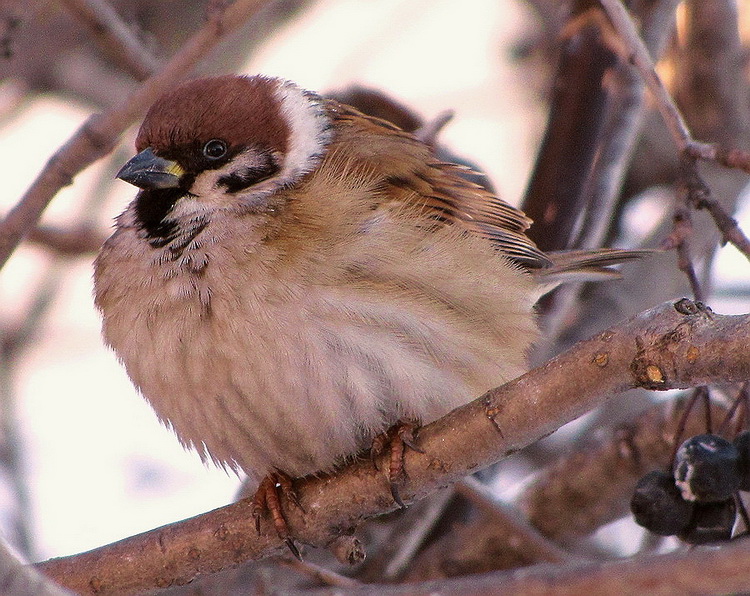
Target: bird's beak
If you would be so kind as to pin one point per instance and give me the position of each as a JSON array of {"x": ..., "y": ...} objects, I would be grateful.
[{"x": 147, "y": 170}]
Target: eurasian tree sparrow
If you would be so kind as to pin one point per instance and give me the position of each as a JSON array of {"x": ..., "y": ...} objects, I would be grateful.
[{"x": 296, "y": 277}]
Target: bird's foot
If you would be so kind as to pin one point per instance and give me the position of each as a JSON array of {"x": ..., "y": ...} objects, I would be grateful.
[
  {"x": 268, "y": 499},
  {"x": 395, "y": 441}
]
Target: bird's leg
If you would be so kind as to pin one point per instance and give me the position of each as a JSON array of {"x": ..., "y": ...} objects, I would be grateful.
[
  {"x": 395, "y": 440},
  {"x": 268, "y": 498}
]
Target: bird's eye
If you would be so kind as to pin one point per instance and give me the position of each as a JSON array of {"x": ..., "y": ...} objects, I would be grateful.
[{"x": 215, "y": 149}]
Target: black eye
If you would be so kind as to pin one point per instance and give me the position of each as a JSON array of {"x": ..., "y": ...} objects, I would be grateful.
[{"x": 215, "y": 149}]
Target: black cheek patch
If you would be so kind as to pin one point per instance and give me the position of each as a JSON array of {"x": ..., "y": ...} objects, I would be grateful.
[{"x": 247, "y": 176}]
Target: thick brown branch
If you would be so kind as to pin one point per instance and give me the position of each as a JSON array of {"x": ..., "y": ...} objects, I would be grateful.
[
  {"x": 674, "y": 345},
  {"x": 98, "y": 135}
]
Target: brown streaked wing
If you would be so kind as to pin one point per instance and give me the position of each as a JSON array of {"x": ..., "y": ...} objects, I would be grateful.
[{"x": 447, "y": 197}]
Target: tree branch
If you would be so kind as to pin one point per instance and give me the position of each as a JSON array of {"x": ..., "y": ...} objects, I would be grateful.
[
  {"x": 678, "y": 128},
  {"x": 68, "y": 242},
  {"x": 492, "y": 535},
  {"x": 638, "y": 54},
  {"x": 592, "y": 484},
  {"x": 17, "y": 579},
  {"x": 115, "y": 37},
  {"x": 674, "y": 345}
]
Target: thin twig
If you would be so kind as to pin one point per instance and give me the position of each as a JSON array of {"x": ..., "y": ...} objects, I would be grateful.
[
  {"x": 742, "y": 422},
  {"x": 98, "y": 135},
  {"x": 622, "y": 125},
  {"x": 115, "y": 37},
  {"x": 728, "y": 226},
  {"x": 590, "y": 485},
  {"x": 679, "y": 240},
  {"x": 410, "y": 544},
  {"x": 681, "y": 425},
  {"x": 739, "y": 401},
  {"x": 690, "y": 185},
  {"x": 641, "y": 59},
  {"x": 729, "y": 158},
  {"x": 321, "y": 574},
  {"x": 706, "y": 398},
  {"x": 598, "y": 107},
  {"x": 480, "y": 534},
  {"x": 697, "y": 194},
  {"x": 742, "y": 510},
  {"x": 523, "y": 532}
]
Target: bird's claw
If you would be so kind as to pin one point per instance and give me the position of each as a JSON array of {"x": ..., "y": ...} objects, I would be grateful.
[
  {"x": 267, "y": 498},
  {"x": 394, "y": 441}
]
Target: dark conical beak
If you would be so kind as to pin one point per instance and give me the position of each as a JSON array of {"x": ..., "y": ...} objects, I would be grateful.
[{"x": 147, "y": 170}]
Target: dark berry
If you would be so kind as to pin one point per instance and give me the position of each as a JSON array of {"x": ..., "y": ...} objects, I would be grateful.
[
  {"x": 712, "y": 522},
  {"x": 658, "y": 506},
  {"x": 706, "y": 469},
  {"x": 742, "y": 443}
]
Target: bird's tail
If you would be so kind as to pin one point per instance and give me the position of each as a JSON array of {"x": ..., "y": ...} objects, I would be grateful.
[{"x": 569, "y": 266}]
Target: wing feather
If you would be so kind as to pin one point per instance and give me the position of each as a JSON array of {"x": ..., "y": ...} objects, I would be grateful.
[{"x": 416, "y": 175}]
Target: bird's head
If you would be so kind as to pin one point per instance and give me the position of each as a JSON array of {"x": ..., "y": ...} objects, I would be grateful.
[{"x": 225, "y": 142}]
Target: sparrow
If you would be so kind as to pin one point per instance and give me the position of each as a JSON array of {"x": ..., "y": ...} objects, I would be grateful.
[{"x": 295, "y": 277}]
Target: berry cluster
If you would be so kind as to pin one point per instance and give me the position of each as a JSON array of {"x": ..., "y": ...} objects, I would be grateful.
[{"x": 696, "y": 501}]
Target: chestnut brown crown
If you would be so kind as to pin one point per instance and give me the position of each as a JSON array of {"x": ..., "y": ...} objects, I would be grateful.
[{"x": 232, "y": 109}]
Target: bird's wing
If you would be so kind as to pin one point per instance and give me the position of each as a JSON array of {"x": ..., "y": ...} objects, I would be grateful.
[{"x": 415, "y": 175}]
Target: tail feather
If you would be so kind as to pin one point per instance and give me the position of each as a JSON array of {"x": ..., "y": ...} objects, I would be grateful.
[{"x": 568, "y": 266}]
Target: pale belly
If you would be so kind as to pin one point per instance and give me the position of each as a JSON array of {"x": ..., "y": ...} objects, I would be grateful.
[{"x": 299, "y": 387}]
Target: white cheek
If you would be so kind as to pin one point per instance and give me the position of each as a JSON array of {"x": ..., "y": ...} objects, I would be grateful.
[{"x": 206, "y": 184}]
